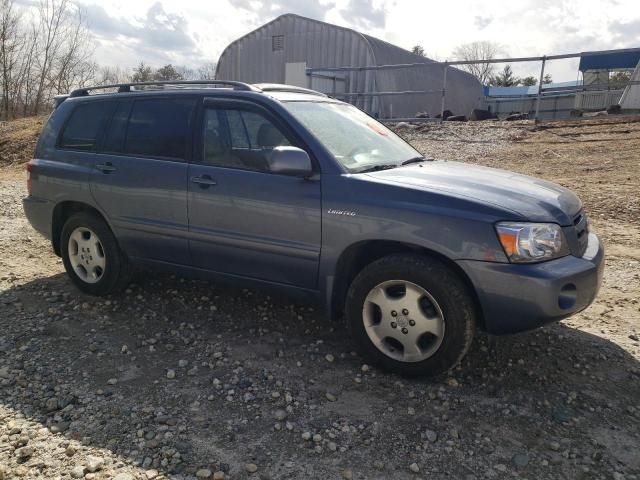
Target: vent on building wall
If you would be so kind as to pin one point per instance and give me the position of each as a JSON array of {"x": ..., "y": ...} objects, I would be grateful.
[{"x": 277, "y": 43}]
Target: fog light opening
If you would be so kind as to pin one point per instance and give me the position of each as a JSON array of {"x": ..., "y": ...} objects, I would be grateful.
[{"x": 567, "y": 297}]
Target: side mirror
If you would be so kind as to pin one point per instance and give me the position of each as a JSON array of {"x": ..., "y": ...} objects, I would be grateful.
[{"x": 290, "y": 161}]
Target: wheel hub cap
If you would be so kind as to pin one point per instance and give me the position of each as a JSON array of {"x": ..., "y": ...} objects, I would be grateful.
[
  {"x": 403, "y": 321},
  {"x": 86, "y": 254}
]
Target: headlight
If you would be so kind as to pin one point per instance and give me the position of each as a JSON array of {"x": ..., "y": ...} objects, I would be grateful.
[{"x": 532, "y": 242}]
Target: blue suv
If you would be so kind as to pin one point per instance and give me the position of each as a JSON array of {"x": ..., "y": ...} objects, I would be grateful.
[{"x": 285, "y": 187}]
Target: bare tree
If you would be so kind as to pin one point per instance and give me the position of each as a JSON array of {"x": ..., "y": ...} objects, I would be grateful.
[
  {"x": 480, "y": 51},
  {"x": 206, "y": 71},
  {"x": 74, "y": 66},
  {"x": 186, "y": 73},
  {"x": 51, "y": 14},
  {"x": 168, "y": 72},
  {"x": 47, "y": 50},
  {"x": 26, "y": 78},
  {"x": 142, "y": 73},
  {"x": 111, "y": 75},
  {"x": 10, "y": 48}
]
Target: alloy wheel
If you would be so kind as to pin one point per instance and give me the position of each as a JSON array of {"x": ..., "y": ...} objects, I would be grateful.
[{"x": 403, "y": 320}]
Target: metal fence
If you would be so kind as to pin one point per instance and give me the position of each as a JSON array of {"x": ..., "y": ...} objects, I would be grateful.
[{"x": 334, "y": 82}]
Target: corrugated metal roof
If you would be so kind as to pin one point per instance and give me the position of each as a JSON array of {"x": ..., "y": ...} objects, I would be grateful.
[{"x": 610, "y": 61}]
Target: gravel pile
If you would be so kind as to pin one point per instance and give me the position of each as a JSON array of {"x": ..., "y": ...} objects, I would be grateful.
[{"x": 462, "y": 141}]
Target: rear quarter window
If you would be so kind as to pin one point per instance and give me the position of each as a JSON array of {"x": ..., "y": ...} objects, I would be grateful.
[{"x": 86, "y": 123}]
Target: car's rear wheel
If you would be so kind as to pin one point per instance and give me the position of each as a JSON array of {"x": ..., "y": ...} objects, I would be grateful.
[
  {"x": 91, "y": 255},
  {"x": 411, "y": 314}
]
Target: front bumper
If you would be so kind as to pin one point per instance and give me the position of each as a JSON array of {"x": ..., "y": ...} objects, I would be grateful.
[{"x": 519, "y": 297}]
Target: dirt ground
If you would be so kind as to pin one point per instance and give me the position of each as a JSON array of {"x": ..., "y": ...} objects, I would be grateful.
[{"x": 183, "y": 379}]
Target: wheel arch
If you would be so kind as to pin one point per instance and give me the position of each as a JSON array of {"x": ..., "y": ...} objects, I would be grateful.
[
  {"x": 61, "y": 213},
  {"x": 360, "y": 254}
]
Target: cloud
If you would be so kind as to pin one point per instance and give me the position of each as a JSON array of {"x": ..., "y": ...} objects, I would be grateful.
[
  {"x": 482, "y": 22},
  {"x": 362, "y": 14},
  {"x": 629, "y": 31},
  {"x": 570, "y": 29},
  {"x": 101, "y": 23},
  {"x": 166, "y": 30},
  {"x": 157, "y": 29},
  {"x": 265, "y": 10}
]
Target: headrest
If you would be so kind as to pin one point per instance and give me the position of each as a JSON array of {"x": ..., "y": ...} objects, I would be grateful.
[{"x": 213, "y": 142}]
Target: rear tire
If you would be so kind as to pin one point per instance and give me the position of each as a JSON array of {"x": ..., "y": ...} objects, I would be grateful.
[
  {"x": 91, "y": 255},
  {"x": 411, "y": 314}
]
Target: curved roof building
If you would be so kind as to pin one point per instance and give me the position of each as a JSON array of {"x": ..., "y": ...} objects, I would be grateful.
[{"x": 278, "y": 51}]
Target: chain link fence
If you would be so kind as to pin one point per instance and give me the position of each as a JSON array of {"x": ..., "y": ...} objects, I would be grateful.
[{"x": 539, "y": 102}]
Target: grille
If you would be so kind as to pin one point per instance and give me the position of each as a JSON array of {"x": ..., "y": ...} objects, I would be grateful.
[
  {"x": 277, "y": 43},
  {"x": 581, "y": 225}
]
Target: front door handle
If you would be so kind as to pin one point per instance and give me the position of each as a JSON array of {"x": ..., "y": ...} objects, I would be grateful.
[
  {"x": 106, "y": 167},
  {"x": 204, "y": 181}
]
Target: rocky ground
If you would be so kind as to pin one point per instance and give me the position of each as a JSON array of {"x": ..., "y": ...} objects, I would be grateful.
[{"x": 183, "y": 379}]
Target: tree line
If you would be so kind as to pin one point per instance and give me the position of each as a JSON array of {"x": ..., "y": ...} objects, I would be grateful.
[
  {"x": 48, "y": 50},
  {"x": 484, "y": 71}
]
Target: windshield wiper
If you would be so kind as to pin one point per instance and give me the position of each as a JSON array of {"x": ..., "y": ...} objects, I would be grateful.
[
  {"x": 415, "y": 160},
  {"x": 375, "y": 168}
]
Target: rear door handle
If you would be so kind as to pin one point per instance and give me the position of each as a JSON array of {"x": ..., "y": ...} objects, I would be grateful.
[
  {"x": 106, "y": 167},
  {"x": 204, "y": 181}
]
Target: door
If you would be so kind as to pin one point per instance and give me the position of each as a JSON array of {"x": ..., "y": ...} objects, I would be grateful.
[
  {"x": 244, "y": 220},
  {"x": 140, "y": 176}
]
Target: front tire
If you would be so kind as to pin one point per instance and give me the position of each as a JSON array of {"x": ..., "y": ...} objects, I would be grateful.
[
  {"x": 91, "y": 255},
  {"x": 411, "y": 314}
]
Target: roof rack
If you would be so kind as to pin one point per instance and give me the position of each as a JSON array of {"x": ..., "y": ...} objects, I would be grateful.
[
  {"x": 126, "y": 87},
  {"x": 278, "y": 87}
]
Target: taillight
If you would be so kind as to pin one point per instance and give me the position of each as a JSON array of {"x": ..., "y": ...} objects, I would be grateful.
[{"x": 29, "y": 170}]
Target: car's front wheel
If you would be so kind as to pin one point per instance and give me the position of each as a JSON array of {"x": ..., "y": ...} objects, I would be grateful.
[
  {"x": 91, "y": 255},
  {"x": 411, "y": 314}
]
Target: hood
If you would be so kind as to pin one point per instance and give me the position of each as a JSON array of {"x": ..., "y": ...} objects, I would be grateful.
[{"x": 532, "y": 198}]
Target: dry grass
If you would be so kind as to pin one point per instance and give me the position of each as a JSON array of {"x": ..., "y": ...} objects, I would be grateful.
[{"x": 18, "y": 139}]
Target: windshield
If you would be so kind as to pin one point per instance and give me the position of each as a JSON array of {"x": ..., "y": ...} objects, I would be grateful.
[{"x": 356, "y": 140}]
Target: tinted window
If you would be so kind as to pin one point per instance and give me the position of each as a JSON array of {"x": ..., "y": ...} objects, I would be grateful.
[
  {"x": 237, "y": 129},
  {"x": 159, "y": 127},
  {"x": 86, "y": 123},
  {"x": 114, "y": 142},
  {"x": 261, "y": 132},
  {"x": 240, "y": 139},
  {"x": 215, "y": 146}
]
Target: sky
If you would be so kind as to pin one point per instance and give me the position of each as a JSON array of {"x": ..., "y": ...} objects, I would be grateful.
[{"x": 192, "y": 32}]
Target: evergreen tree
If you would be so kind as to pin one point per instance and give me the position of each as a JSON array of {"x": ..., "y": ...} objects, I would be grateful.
[{"x": 506, "y": 78}]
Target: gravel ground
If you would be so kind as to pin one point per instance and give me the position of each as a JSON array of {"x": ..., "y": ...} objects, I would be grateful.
[{"x": 183, "y": 379}]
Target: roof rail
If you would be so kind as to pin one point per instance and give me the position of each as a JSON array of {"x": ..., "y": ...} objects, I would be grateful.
[
  {"x": 278, "y": 87},
  {"x": 126, "y": 87}
]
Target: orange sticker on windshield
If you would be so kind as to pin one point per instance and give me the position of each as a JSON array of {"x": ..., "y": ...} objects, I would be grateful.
[{"x": 377, "y": 128}]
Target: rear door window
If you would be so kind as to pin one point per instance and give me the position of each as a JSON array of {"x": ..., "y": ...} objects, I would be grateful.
[
  {"x": 160, "y": 128},
  {"x": 86, "y": 124}
]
